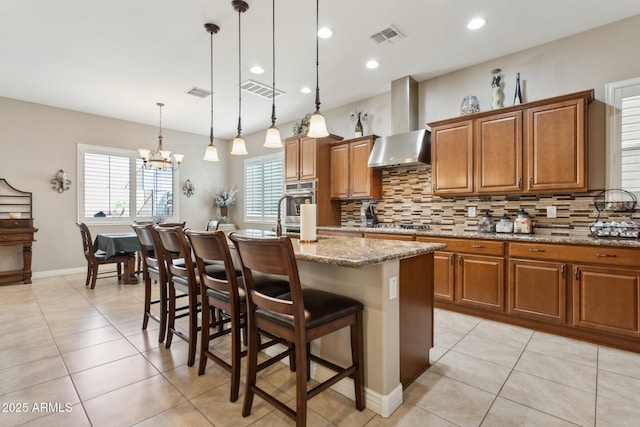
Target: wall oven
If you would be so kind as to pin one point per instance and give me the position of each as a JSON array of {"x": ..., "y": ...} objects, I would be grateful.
[{"x": 299, "y": 192}]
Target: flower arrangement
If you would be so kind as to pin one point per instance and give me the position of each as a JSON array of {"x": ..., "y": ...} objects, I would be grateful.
[
  {"x": 302, "y": 126},
  {"x": 225, "y": 197}
]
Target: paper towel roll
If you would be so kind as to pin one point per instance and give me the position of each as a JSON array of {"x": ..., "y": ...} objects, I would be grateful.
[{"x": 307, "y": 222}]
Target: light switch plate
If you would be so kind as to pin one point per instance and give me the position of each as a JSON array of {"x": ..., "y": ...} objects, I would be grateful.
[
  {"x": 471, "y": 211},
  {"x": 551, "y": 212}
]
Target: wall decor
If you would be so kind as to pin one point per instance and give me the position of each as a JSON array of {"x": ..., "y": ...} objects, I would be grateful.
[
  {"x": 517, "y": 97},
  {"x": 188, "y": 189},
  {"x": 496, "y": 89},
  {"x": 60, "y": 182},
  {"x": 359, "y": 117}
]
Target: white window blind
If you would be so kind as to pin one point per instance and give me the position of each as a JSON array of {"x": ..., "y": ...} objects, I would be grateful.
[
  {"x": 623, "y": 145},
  {"x": 263, "y": 187},
  {"x": 115, "y": 187}
]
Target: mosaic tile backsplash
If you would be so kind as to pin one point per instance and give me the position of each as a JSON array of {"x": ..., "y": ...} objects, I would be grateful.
[{"x": 407, "y": 198}]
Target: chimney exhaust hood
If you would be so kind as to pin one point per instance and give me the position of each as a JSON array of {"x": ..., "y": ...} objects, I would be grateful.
[{"x": 406, "y": 145}]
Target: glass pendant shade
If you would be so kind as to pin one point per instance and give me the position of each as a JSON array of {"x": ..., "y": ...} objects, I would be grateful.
[
  {"x": 144, "y": 153},
  {"x": 273, "y": 139},
  {"x": 178, "y": 158},
  {"x": 317, "y": 126},
  {"x": 211, "y": 153},
  {"x": 238, "y": 148}
]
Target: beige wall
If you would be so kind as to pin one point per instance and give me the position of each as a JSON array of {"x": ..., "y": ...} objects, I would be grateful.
[{"x": 36, "y": 141}]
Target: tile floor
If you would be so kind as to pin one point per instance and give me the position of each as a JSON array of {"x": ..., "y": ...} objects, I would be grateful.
[{"x": 70, "y": 356}]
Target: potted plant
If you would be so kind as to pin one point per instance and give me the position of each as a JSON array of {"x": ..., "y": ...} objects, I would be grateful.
[{"x": 224, "y": 198}]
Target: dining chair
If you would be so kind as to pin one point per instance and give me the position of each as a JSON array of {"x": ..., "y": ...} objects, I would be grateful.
[
  {"x": 300, "y": 317},
  {"x": 227, "y": 296},
  {"x": 97, "y": 258},
  {"x": 154, "y": 268}
]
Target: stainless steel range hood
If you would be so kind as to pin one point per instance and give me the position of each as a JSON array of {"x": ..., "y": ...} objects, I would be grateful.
[{"x": 406, "y": 145}]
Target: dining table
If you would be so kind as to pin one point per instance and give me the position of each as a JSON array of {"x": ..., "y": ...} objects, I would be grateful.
[{"x": 114, "y": 243}]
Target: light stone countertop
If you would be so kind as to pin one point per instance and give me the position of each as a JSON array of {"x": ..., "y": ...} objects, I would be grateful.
[
  {"x": 351, "y": 252},
  {"x": 523, "y": 238}
]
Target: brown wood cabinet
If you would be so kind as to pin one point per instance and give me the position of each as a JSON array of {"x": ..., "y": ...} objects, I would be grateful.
[
  {"x": 538, "y": 290},
  {"x": 18, "y": 232},
  {"x": 302, "y": 155},
  {"x": 351, "y": 177},
  {"x": 530, "y": 148},
  {"x": 469, "y": 272},
  {"x": 606, "y": 299}
]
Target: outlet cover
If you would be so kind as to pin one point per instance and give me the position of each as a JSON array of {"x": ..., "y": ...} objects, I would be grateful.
[
  {"x": 551, "y": 212},
  {"x": 471, "y": 211}
]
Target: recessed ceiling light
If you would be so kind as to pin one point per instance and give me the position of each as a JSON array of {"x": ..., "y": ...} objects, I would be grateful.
[
  {"x": 325, "y": 32},
  {"x": 256, "y": 69},
  {"x": 476, "y": 23},
  {"x": 305, "y": 90},
  {"x": 372, "y": 64}
]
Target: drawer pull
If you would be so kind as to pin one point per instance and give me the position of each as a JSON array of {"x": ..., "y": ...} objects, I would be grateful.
[
  {"x": 519, "y": 182},
  {"x": 478, "y": 246},
  {"x": 536, "y": 250},
  {"x": 606, "y": 255},
  {"x": 562, "y": 270},
  {"x": 460, "y": 260},
  {"x": 576, "y": 273},
  {"x": 451, "y": 259}
]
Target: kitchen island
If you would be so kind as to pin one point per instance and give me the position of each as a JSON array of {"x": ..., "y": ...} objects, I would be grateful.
[{"x": 394, "y": 281}]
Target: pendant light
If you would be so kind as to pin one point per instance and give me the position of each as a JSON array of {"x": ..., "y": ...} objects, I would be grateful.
[
  {"x": 211, "y": 153},
  {"x": 317, "y": 125},
  {"x": 160, "y": 158},
  {"x": 238, "y": 147},
  {"x": 273, "y": 139}
]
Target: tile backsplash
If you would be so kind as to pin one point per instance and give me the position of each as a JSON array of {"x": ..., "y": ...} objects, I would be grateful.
[{"x": 407, "y": 198}]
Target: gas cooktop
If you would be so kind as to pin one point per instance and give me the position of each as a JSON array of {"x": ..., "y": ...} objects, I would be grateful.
[{"x": 419, "y": 227}]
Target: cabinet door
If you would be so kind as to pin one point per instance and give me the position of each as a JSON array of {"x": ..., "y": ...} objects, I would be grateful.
[
  {"x": 308, "y": 158},
  {"x": 498, "y": 145},
  {"x": 291, "y": 159},
  {"x": 480, "y": 281},
  {"x": 538, "y": 290},
  {"x": 606, "y": 299},
  {"x": 443, "y": 275},
  {"x": 452, "y": 158},
  {"x": 339, "y": 171},
  {"x": 362, "y": 177},
  {"x": 556, "y": 147}
]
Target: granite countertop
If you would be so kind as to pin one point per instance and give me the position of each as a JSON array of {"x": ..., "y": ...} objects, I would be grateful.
[
  {"x": 524, "y": 238},
  {"x": 352, "y": 252}
]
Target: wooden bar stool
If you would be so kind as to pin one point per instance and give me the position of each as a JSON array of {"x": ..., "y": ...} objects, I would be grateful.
[
  {"x": 227, "y": 296},
  {"x": 300, "y": 317}
]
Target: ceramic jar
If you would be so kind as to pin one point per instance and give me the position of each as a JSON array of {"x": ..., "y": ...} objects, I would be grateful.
[
  {"x": 522, "y": 223},
  {"x": 505, "y": 225},
  {"x": 486, "y": 224}
]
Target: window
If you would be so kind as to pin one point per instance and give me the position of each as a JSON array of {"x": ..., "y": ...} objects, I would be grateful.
[
  {"x": 105, "y": 190},
  {"x": 263, "y": 187},
  {"x": 623, "y": 147}
]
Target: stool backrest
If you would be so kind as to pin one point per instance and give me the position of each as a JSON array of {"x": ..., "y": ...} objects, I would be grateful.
[
  {"x": 87, "y": 242},
  {"x": 150, "y": 245},
  {"x": 270, "y": 256},
  {"x": 174, "y": 245}
]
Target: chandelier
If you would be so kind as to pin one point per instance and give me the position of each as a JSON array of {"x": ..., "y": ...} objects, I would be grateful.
[{"x": 160, "y": 158}]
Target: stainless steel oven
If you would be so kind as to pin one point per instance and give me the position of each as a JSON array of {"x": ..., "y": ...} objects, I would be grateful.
[{"x": 299, "y": 193}]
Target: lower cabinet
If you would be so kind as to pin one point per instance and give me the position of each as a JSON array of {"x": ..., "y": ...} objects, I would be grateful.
[
  {"x": 480, "y": 281},
  {"x": 538, "y": 290},
  {"x": 443, "y": 275},
  {"x": 606, "y": 299}
]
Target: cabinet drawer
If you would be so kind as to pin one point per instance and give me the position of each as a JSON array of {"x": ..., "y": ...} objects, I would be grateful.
[
  {"x": 484, "y": 247},
  {"x": 15, "y": 237},
  {"x": 16, "y": 223},
  {"x": 582, "y": 254}
]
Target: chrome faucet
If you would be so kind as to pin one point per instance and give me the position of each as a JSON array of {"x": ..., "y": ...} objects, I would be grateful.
[{"x": 279, "y": 223}]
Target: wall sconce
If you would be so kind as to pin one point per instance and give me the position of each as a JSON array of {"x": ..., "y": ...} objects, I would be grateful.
[
  {"x": 188, "y": 189},
  {"x": 60, "y": 182}
]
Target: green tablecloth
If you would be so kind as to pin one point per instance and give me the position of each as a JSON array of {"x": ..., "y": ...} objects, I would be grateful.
[{"x": 113, "y": 243}]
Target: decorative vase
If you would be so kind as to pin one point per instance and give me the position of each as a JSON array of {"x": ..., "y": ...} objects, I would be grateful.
[
  {"x": 470, "y": 105},
  {"x": 224, "y": 211},
  {"x": 517, "y": 97},
  {"x": 496, "y": 89}
]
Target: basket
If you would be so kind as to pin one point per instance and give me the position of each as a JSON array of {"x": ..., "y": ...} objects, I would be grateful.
[{"x": 620, "y": 201}]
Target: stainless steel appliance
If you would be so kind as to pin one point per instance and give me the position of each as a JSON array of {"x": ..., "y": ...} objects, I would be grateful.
[{"x": 299, "y": 193}]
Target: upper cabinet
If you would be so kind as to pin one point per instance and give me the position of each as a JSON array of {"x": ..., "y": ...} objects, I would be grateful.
[
  {"x": 351, "y": 177},
  {"x": 530, "y": 148},
  {"x": 303, "y": 155}
]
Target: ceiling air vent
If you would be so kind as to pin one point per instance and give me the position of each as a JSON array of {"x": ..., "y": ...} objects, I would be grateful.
[
  {"x": 389, "y": 35},
  {"x": 260, "y": 89},
  {"x": 200, "y": 93}
]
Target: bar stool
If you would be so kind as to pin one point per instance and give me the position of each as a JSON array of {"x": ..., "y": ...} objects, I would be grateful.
[
  {"x": 300, "y": 317},
  {"x": 227, "y": 296}
]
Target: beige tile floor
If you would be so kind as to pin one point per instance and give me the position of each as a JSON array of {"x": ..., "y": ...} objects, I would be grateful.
[{"x": 70, "y": 356}]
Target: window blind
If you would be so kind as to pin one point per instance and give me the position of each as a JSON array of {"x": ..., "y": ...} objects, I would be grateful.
[
  {"x": 263, "y": 187},
  {"x": 106, "y": 185},
  {"x": 630, "y": 143}
]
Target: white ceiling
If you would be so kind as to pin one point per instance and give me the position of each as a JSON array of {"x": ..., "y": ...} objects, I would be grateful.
[{"x": 117, "y": 58}]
